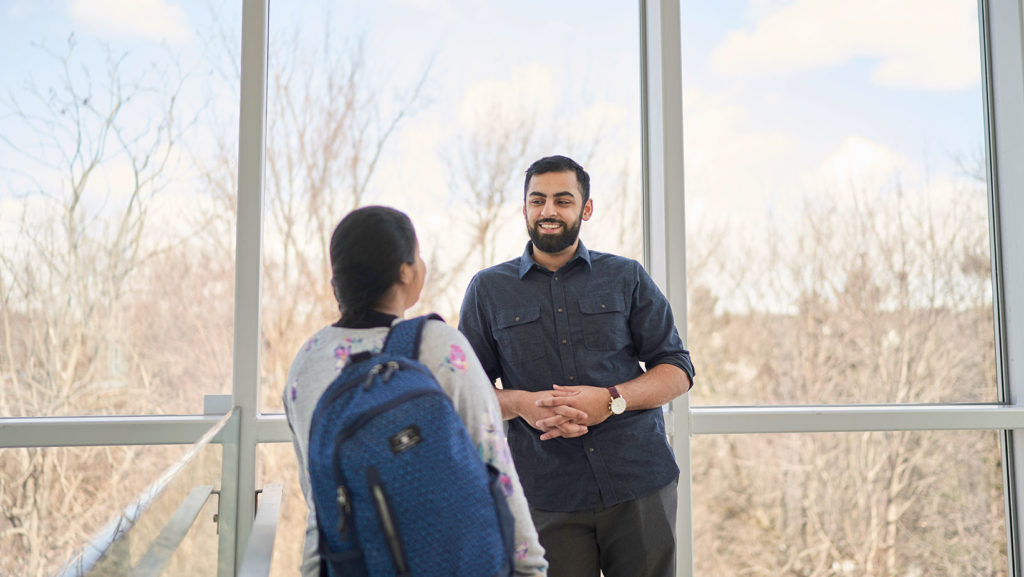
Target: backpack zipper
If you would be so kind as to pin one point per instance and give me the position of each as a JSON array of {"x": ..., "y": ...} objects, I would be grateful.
[
  {"x": 387, "y": 521},
  {"x": 333, "y": 393},
  {"x": 344, "y": 510},
  {"x": 355, "y": 425}
]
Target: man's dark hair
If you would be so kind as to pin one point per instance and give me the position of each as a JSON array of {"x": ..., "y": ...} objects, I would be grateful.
[
  {"x": 368, "y": 248},
  {"x": 558, "y": 164}
]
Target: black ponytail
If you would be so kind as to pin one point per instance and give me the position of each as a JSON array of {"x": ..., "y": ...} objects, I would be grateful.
[{"x": 368, "y": 248}]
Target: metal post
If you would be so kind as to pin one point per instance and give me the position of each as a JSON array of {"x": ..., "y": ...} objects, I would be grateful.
[
  {"x": 1002, "y": 32},
  {"x": 248, "y": 239},
  {"x": 665, "y": 217}
]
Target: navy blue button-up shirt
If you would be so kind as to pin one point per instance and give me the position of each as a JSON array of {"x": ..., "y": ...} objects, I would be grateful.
[{"x": 592, "y": 322}]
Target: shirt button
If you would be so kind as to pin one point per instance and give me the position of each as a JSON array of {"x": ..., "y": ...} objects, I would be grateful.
[
  {"x": 556, "y": 278},
  {"x": 602, "y": 306},
  {"x": 564, "y": 341},
  {"x": 559, "y": 309},
  {"x": 517, "y": 318},
  {"x": 572, "y": 378},
  {"x": 591, "y": 449}
]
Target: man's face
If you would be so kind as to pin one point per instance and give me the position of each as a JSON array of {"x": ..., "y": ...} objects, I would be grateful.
[{"x": 554, "y": 210}]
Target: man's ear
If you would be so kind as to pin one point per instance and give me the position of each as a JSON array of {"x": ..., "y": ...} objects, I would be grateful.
[{"x": 588, "y": 209}]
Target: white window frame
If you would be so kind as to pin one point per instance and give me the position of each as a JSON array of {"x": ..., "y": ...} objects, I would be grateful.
[
  {"x": 665, "y": 247},
  {"x": 1002, "y": 29}
]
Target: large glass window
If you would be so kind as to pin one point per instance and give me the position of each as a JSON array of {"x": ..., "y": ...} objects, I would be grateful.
[
  {"x": 437, "y": 112},
  {"x": 53, "y": 502},
  {"x": 277, "y": 464},
  {"x": 883, "y": 503},
  {"x": 118, "y": 126},
  {"x": 838, "y": 242}
]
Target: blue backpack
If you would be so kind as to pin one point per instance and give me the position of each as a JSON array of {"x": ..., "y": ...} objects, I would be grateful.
[{"x": 398, "y": 487}]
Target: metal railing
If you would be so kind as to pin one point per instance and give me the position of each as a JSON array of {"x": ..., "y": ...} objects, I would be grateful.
[
  {"x": 158, "y": 519},
  {"x": 162, "y": 531},
  {"x": 260, "y": 548}
]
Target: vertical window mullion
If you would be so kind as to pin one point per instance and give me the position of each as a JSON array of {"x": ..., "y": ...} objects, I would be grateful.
[
  {"x": 1004, "y": 101},
  {"x": 664, "y": 216},
  {"x": 248, "y": 258}
]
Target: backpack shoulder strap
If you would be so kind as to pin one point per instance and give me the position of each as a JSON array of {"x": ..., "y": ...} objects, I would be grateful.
[{"x": 404, "y": 338}]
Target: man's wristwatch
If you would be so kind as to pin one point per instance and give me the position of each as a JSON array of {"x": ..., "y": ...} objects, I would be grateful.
[{"x": 617, "y": 405}]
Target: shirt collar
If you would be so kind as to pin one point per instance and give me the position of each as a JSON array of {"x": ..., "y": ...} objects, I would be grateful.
[
  {"x": 526, "y": 262},
  {"x": 370, "y": 319}
]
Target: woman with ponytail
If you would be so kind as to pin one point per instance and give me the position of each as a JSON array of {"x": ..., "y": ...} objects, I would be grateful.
[{"x": 377, "y": 275}]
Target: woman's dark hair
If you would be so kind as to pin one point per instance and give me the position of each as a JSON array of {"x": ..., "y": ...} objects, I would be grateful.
[{"x": 368, "y": 248}]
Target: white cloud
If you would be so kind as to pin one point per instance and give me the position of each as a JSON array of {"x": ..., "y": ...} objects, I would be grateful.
[
  {"x": 862, "y": 168},
  {"x": 10, "y": 219},
  {"x": 503, "y": 98},
  {"x": 603, "y": 119},
  {"x": 16, "y": 10},
  {"x": 922, "y": 44},
  {"x": 411, "y": 175},
  {"x": 733, "y": 173},
  {"x": 151, "y": 19},
  {"x": 449, "y": 8},
  {"x": 860, "y": 163}
]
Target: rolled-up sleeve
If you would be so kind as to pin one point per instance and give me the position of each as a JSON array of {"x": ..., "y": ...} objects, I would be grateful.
[{"x": 653, "y": 328}]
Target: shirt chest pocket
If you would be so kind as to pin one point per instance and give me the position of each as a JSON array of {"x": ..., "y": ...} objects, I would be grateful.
[
  {"x": 519, "y": 334},
  {"x": 604, "y": 321}
]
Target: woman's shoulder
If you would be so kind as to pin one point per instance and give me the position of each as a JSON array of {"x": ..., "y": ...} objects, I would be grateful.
[
  {"x": 441, "y": 339},
  {"x": 441, "y": 331},
  {"x": 339, "y": 342}
]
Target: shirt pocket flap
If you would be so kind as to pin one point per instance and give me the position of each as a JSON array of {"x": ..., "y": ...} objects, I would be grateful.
[
  {"x": 507, "y": 319},
  {"x": 606, "y": 303}
]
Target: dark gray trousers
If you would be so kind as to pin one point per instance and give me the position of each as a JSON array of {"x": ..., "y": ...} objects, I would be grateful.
[{"x": 632, "y": 539}]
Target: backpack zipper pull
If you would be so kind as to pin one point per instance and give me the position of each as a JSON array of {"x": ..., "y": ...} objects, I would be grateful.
[
  {"x": 373, "y": 373},
  {"x": 344, "y": 510},
  {"x": 392, "y": 367},
  {"x": 387, "y": 521}
]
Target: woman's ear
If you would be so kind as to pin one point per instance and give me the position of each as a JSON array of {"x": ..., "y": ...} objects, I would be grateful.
[
  {"x": 334, "y": 289},
  {"x": 405, "y": 273}
]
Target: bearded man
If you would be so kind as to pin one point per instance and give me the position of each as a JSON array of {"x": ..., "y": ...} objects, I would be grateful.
[{"x": 566, "y": 329}]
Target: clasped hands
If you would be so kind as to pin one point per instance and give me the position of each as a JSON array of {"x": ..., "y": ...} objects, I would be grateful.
[{"x": 566, "y": 411}]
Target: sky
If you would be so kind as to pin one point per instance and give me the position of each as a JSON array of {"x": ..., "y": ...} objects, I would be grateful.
[
  {"x": 803, "y": 95},
  {"x": 784, "y": 100}
]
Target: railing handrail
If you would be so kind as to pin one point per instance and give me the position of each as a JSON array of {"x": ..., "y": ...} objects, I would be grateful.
[
  {"x": 96, "y": 430},
  {"x": 155, "y": 559},
  {"x": 260, "y": 549},
  {"x": 116, "y": 529}
]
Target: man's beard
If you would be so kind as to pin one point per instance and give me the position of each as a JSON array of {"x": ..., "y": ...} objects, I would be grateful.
[{"x": 554, "y": 243}]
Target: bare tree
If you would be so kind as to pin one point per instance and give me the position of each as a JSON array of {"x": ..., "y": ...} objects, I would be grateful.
[
  {"x": 326, "y": 135},
  {"x": 68, "y": 282},
  {"x": 873, "y": 301},
  {"x": 327, "y": 132},
  {"x": 486, "y": 164}
]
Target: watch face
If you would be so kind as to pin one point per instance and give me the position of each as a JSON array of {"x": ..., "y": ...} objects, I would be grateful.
[{"x": 618, "y": 405}]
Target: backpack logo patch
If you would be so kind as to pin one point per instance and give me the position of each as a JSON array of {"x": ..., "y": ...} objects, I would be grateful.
[{"x": 405, "y": 439}]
